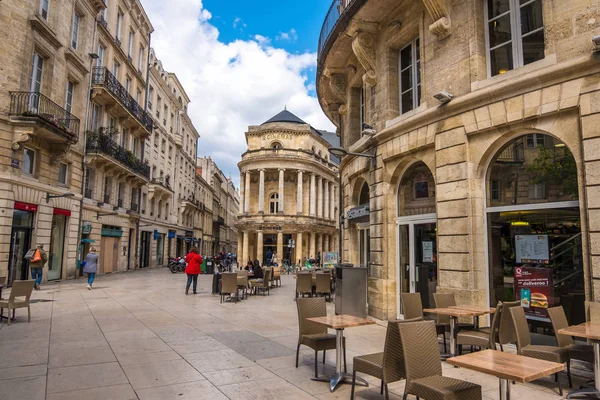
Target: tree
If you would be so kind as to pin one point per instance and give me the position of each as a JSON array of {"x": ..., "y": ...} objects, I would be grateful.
[{"x": 555, "y": 165}]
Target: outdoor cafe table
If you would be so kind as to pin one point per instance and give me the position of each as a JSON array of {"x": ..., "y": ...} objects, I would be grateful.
[
  {"x": 589, "y": 331},
  {"x": 507, "y": 367},
  {"x": 454, "y": 312},
  {"x": 339, "y": 323}
]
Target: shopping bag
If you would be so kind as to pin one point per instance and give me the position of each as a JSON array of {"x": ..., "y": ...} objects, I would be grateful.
[{"x": 37, "y": 256}]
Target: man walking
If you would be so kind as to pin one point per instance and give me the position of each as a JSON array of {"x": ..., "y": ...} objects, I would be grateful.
[
  {"x": 269, "y": 257},
  {"x": 36, "y": 264}
]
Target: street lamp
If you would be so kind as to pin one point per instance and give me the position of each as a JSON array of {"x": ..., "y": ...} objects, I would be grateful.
[
  {"x": 341, "y": 153},
  {"x": 98, "y": 215},
  {"x": 50, "y": 196}
]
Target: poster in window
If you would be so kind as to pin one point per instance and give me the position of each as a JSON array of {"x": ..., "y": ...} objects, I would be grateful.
[
  {"x": 534, "y": 287},
  {"x": 532, "y": 249},
  {"x": 428, "y": 252}
]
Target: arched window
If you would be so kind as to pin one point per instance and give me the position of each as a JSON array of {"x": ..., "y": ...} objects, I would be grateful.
[
  {"x": 363, "y": 198},
  {"x": 276, "y": 145},
  {"x": 274, "y": 203}
]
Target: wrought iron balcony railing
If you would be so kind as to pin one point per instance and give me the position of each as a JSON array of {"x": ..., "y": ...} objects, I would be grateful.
[
  {"x": 513, "y": 154},
  {"x": 102, "y": 76},
  {"x": 103, "y": 143},
  {"x": 336, "y": 10},
  {"x": 35, "y": 104},
  {"x": 163, "y": 181}
]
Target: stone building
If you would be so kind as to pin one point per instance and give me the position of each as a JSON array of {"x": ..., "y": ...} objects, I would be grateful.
[
  {"x": 205, "y": 194},
  {"x": 288, "y": 191},
  {"x": 486, "y": 135},
  {"x": 44, "y": 76}
]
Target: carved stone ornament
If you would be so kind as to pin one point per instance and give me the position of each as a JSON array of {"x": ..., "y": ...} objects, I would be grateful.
[
  {"x": 59, "y": 154},
  {"x": 439, "y": 13},
  {"x": 337, "y": 85},
  {"x": 19, "y": 140},
  {"x": 363, "y": 46}
]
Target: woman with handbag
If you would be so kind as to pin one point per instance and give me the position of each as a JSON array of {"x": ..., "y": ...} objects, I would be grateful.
[
  {"x": 36, "y": 264},
  {"x": 90, "y": 266},
  {"x": 193, "y": 260}
]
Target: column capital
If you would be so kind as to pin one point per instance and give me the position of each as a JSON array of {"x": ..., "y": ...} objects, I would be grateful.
[
  {"x": 281, "y": 169},
  {"x": 261, "y": 170}
]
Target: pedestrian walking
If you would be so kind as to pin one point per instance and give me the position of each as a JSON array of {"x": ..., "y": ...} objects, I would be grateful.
[
  {"x": 275, "y": 260},
  {"x": 193, "y": 260},
  {"x": 36, "y": 264},
  {"x": 269, "y": 257},
  {"x": 90, "y": 266}
]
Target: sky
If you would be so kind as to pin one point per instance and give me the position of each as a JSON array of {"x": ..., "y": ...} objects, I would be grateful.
[{"x": 240, "y": 62}]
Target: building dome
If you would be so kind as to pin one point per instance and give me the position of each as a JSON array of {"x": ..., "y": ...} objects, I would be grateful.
[{"x": 285, "y": 116}]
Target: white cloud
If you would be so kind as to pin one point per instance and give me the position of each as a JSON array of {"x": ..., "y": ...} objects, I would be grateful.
[
  {"x": 232, "y": 85},
  {"x": 238, "y": 22},
  {"x": 292, "y": 35}
]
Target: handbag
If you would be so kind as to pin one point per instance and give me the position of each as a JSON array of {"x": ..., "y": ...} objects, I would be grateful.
[{"x": 37, "y": 256}]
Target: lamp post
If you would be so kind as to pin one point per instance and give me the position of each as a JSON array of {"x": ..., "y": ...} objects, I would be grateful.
[
  {"x": 341, "y": 153},
  {"x": 51, "y": 196},
  {"x": 98, "y": 215}
]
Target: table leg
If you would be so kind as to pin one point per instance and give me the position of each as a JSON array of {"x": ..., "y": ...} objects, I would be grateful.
[
  {"x": 476, "y": 322},
  {"x": 596, "y": 389},
  {"x": 504, "y": 389},
  {"x": 452, "y": 336}
]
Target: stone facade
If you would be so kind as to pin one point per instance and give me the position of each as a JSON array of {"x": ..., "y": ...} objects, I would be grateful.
[
  {"x": 288, "y": 191},
  {"x": 552, "y": 89}
]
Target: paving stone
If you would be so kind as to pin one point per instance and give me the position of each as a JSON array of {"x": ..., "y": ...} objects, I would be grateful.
[
  {"x": 117, "y": 392},
  {"x": 201, "y": 390},
  {"x": 85, "y": 377},
  {"x": 161, "y": 373},
  {"x": 84, "y": 356}
]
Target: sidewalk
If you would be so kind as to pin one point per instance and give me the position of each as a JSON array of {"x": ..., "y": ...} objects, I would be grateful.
[{"x": 137, "y": 336}]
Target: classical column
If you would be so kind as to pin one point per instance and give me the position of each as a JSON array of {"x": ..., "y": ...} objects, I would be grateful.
[
  {"x": 311, "y": 245},
  {"x": 261, "y": 192},
  {"x": 326, "y": 245},
  {"x": 299, "y": 194},
  {"x": 259, "y": 246},
  {"x": 247, "y": 193},
  {"x": 281, "y": 183},
  {"x": 326, "y": 200},
  {"x": 240, "y": 249},
  {"x": 298, "y": 248},
  {"x": 245, "y": 254},
  {"x": 333, "y": 202},
  {"x": 242, "y": 192},
  {"x": 313, "y": 196},
  {"x": 280, "y": 246},
  {"x": 320, "y": 245},
  {"x": 320, "y": 197}
]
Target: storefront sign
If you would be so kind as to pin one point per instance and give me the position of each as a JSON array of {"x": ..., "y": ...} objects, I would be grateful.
[
  {"x": 14, "y": 163},
  {"x": 358, "y": 212},
  {"x": 535, "y": 288},
  {"x": 330, "y": 259},
  {"x": 110, "y": 232},
  {"x": 189, "y": 234},
  {"x": 86, "y": 227},
  {"x": 60, "y": 211},
  {"x": 25, "y": 206},
  {"x": 171, "y": 235},
  {"x": 427, "y": 252},
  {"x": 271, "y": 136},
  {"x": 532, "y": 249},
  {"x": 156, "y": 234}
]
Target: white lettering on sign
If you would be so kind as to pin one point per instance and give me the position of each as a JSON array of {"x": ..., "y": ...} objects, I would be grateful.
[{"x": 271, "y": 136}]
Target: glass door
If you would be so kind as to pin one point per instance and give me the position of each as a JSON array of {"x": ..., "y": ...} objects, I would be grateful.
[
  {"x": 57, "y": 245},
  {"x": 19, "y": 245},
  {"x": 364, "y": 246}
]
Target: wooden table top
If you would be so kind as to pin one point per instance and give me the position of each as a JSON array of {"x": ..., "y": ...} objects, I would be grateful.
[
  {"x": 341, "y": 321},
  {"x": 507, "y": 365},
  {"x": 586, "y": 330},
  {"x": 459, "y": 312},
  {"x": 475, "y": 308}
]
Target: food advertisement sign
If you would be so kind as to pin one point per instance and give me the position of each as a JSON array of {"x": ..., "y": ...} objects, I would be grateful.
[
  {"x": 330, "y": 259},
  {"x": 532, "y": 249},
  {"x": 535, "y": 289}
]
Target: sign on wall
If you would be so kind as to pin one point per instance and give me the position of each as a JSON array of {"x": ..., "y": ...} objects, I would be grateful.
[
  {"x": 534, "y": 287},
  {"x": 533, "y": 249},
  {"x": 330, "y": 259},
  {"x": 358, "y": 212},
  {"x": 428, "y": 252},
  {"x": 86, "y": 227}
]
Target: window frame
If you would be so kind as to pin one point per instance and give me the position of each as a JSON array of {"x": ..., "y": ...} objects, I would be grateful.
[
  {"x": 130, "y": 45},
  {"x": 141, "y": 58},
  {"x": 70, "y": 90},
  {"x": 100, "y": 59},
  {"x": 43, "y": 10},
  {"x": 66, "y": 175},
  {"x": 274, "y": 203},
  {"x": 414, "y": 66},
  {"x": 33, "y": 162},
  {"x": 75, "y": 31},
  {"x": 119, "y": 25},
  {"x": 362, "y": 107},
  {"x": 37, "y": 73},
  {"x": 496, "y": 190}
]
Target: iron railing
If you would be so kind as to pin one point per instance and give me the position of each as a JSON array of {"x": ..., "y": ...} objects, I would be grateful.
[
  {"x": 102, "y": 76},
  {"x": 35, "y": 104},
  {"x": 513, "y": 153},
  {"x": 103, "y": 143},
  {"x": 162, "y": 181},
  {"x": 336, "y": 10}
]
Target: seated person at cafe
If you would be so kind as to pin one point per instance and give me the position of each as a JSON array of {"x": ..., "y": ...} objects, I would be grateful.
[
  {"x": 249, "y": 266},
  {"x": 258, "y": 272}
]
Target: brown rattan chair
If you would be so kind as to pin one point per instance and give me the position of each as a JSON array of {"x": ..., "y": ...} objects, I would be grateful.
[
  {"x": 387, "y": 366},
  {"x": 303, "y": 283},
  {"x": 548, "y": 353},
  {"x": 229, "y": 285},
  {"x": 323, "y": 284},
  {"x": 314, "y": 335},
  {"x": 484, "y": 338},
  {"x": 242, "y": 282},
  {"x": 14, "y": 301},
  {"x": 277, "y": 276},
  {"x": 506, "y": 330},
  {"x": 423, "y": 368},
  {"x": 582, "y": 352},
  {"x": 413, "y": 308},
  {"x": 264, "y": 284}
]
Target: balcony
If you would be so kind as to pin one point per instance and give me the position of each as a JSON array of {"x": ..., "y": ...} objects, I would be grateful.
[
  {"x": 57, "y": 124},
  {"x": 333, "y": 21},
  {"x": 513, "y": 154},
  {"x": 102, "y": 78},
  {"x": 160, "y": 187},
  {"x": 102, "y": 144}
]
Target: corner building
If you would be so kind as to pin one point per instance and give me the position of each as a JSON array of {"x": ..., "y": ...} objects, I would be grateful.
[
  {"x": 467, "y": 194},
  {"x": 288, "y": 191}
]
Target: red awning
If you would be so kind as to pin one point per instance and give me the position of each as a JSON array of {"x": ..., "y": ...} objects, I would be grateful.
[
  {"x": 25, "y": 206},
  {"x": 60, "y": 211}
]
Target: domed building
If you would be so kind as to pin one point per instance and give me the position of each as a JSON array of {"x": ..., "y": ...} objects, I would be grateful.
[{"x": 288, "y": 198}]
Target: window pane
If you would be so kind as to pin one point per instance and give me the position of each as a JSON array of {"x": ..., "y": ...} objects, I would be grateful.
[
  {"x": 499, "y": 30},
  {"x": 421, "y": 190},
  {"x": 531, "y": 17},
  {"x": 405, "y": 57},
  {"x": 28, "y": 161},
  {"x": 62, "y": 174},
  {"x": 406, "y": 79},
  {"x": 533, "y": 47},
  {"x": 501, "y": 59},
  {"x": 497, "y": 7},
  {"x": 407, "y": 101}
]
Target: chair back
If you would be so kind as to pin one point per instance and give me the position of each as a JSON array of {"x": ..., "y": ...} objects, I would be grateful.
[
  {"x": 559, "y": 320},
  {"x": 3, "y": 280},
  {"x": 412, "y": 305},
  {"x": 443, "y": 300},
  {"x": 267, "y": 277},
  {"x": 304, "y": 282},
  {"x": 242, "y": 272},
  {"x": 323, "y": 283},
  {"x": 495, "y": 325},
  {"x": 420, "y": 349},
  {"x": 310, "y": 308},
  {"x": 229, "y": 282},
  {"x": 393, "y": 355},
  {"x": 21, "y": 289},
  {"x": 521, "y": 327},
  {"x": 593, "y": 311},
  {"x": 277, "y": 273},
  {"x": 506, "y": 331}
]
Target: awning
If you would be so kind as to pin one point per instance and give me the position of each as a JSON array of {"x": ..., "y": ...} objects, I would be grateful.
[{"x": 88, "y": 241}]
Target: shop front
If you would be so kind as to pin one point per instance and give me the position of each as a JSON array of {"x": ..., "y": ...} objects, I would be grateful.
[
  {"x": 20, "y": 242},
  {"x": 109, "y": 248},
  {"x": 160, "y": 247},
  {"x": 145, "y": 249},
  {"x": 60, "y": 219}
]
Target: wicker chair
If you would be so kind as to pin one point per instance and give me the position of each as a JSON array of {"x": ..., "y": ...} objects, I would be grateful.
[
  {"x": 242, "y": 282},
  {"x": 484, "y": 338},
  {"x": 423, "y": 368},
  {"x": 506, "y": 330},
  {"x": 19, "y": 289},
  {"x": 583, "y": 352},
  {"x": 323, "y": 284},
  {"x": 387, "y": 366},
  {"x": 548, "y": 353},
  {"x": 314, "y": 335},
  {"x": 277, "y": 276},
  {"x": 229, "y": 285},
  {"x": 263, "y": 285},
  {"x": 413, "y": 308},
  {"x": 303, "y": 283}
]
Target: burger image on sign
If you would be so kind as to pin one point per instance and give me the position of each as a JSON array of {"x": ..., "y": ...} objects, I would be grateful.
[{"x": 539, "y": 300}]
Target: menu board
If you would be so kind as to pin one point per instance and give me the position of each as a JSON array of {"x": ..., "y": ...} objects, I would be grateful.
[
  {"x": 427, "y": 252},
  {"x": 534, "y": 287},
  {"x": 532, "y": 249},
  {"x": 330, "y": 259}
]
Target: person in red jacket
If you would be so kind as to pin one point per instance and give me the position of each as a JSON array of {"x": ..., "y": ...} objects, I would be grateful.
[{"x": 193, "y": 260}]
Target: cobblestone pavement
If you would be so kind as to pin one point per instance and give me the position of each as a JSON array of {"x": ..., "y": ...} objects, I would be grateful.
[{"x": 137, "y": 336}]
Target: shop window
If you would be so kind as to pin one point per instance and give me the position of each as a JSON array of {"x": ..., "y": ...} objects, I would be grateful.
[
  {"x": 62, "y": 173},
  {"x": 495, "y": 190},
  {"x": 515, "y": 34},
  {"x": 274, "y": 203},
  {"x": 29, "y": 160},
  {"x": 410, "y": 76}
]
